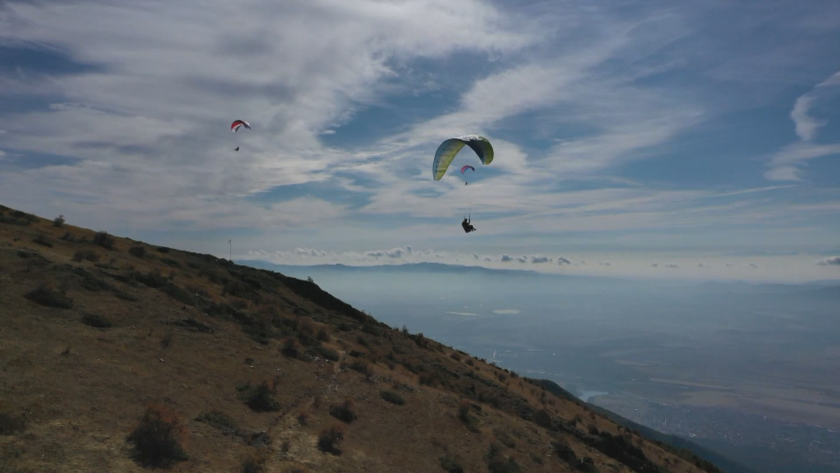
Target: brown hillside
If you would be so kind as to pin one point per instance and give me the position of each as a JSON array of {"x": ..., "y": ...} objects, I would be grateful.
[{"x": 249, "y": 370}]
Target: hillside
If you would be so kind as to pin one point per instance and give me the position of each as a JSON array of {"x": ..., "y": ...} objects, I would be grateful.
[{"x": 118, "y": 356}]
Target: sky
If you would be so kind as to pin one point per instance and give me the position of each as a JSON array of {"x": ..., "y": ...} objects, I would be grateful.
[{"x": 696, "y": 139}]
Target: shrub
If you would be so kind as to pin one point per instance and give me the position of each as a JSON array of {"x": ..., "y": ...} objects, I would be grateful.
[
  {"x": 303, "y": 417},
  {"x": 46, "y": 296},
  {"x": 162, "y": 249},
  {"x": 344, "y": 411},
  {"x": 361, "y": 340},
  {"x": 104, "y": 240},
  {"x": 289, "y": 347},
  {"x": 59, "y": 221},
  {"x": 68, "y": 237},
  {"x": 593, "y": 430},
  {"x": 219, "y": 420},
  {"x": 345, "y": 327},
  {"x": 463, "y": 409},
  {"x": 88, "y": 255},
  {"x": 259, "y": 398},
  {"x": 41, "y": 240},
  {"x": 501, "y": 466},
  {"x": 361, "y": 367},
  {"x": 503, "y": 437},
  {"x": 450, "y": 464},
  {"x": 323, "y": 335},
  {"x": 470, "y": 361},
  {"x": 563, "y": 452},
  {"x": 328, "y": 439},
  {"x": 10, "y": 425},
  {"x": 170, "y": 262},
  {"x": 157, "y": 438},
  {"x": 137, "y": 251},
  {"x": 252, "y": 465},
  {"x": 328, "y": 354},
  {"x": 587, "y": 465},
  {"x": 536, "y": 459},
  {"x": 97, "y": 321},
  {"x": 392, "y": 397},
  {"x": 455, "y": 356}
]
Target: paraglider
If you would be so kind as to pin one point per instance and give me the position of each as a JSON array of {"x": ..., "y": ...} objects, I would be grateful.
[
  {"x": 446, "y": 153},
  {"x": 448, "y": 149},
  {"x": 464, "y": 169},
  {"x": 237, "y": 124},
  {"x": 468, "y": 226}
]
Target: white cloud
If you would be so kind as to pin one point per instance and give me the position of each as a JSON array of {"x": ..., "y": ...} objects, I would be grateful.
[
  {"x": 829, "y": 261},
  {"x": 538, "y": 259},
  {"x": 753, "y": 265},
  {"x": 654, "y": 265},
  {"x": 522, "y": 259},
  {"x": 506, "y": 311},
  {"x": 506, "y": 258},
  {"x": 786, "y": 164},
  {"x": 604, "y": 263},
  {"x": 671, "y": 265},
  {"x": 561, "y": 260}
]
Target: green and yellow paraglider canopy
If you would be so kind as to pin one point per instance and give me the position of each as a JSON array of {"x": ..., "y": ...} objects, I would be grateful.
[{"x": 448, "y": 149}]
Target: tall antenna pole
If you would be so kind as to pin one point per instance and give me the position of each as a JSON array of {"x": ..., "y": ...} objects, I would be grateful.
[{"x": 230, "y": 242}]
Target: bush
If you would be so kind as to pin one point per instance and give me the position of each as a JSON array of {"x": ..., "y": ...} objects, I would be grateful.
[
  {"x": 290, "y": 347},
  {"x": 59, "y": 221},
  {"x": 259, "y": 398},
  {"x": 322, "y": 335},
  {"x": 503, "y": 437},
  {"x": 303, "y": 418},
  {"x": 587, "y": 465},
  {"x": 104, "y": 240},
  {"x": 162, "y": 249},
  {"x": 157, "y": 438},
  {"x": 97, "y": 321},
  {"x": 46, "y": 296},
  {"x": 361, "y": 367},
  {"x": 68, "y": 237},
  {"x": 500, "y": 466},
  {"x": 470, "y": 362},
  {"x": 328, "y": 439},
  {"x": 10, "y": 425},
  {"x": 344, "y": 411},
  {"x": 455, "y": 356},
  {"x": 392, "y": 397},
  {"x": 252, "y": 465},
  {"x": 219, "y": 420},
  {"x": 41, "y": 240},
  {"x": 137, "y": 251},
  {"x": 170, "y": 262},
  {"x": 88, "y": 255},
  {"x": 450, "y": 464},
  {"x": 328, "y": 354},
  {"x": 463, "y": 410},
  {"x": 536, "y": 459},
  {"x": 563, "y": 452}
]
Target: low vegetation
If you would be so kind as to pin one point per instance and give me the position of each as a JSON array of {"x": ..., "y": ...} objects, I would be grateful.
[
  {"x": 260, "y": 398},
  {"x": 46, "y": 296},
  {"x": 157, "y": 438},
  {"x": 329, "y": 439},
  {"x": 344, "y": 411}
]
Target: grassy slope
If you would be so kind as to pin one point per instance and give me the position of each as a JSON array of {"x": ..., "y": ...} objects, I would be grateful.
[{"x": 81, "y": 389}]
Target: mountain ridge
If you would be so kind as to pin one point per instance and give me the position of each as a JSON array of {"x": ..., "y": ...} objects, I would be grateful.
[{"x": 109, "y": 346}]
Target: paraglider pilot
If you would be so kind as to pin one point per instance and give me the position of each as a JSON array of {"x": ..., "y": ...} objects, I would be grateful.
[{"x": 467, "y": 226}]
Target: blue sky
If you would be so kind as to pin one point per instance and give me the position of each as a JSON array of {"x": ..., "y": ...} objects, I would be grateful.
[{"x": 632, "y": 138}]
